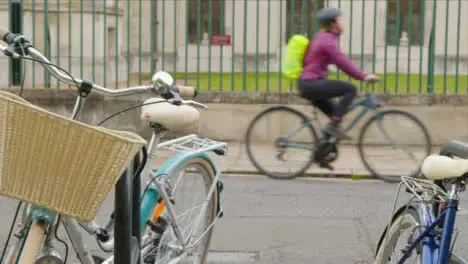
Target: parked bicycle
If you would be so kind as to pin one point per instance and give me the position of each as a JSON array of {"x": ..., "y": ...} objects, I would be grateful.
[
  {"x": 176, "y": 225},
  {"x": 423, "y": 230},
  {"x": 297, "y": 132}
]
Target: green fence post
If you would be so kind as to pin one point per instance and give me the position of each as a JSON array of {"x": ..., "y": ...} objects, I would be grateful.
[
  {"x": 268, "y": 45},
  {"x": 457, "y": 60},
  {"x": 221, "y": 25},
  {"x": 421, "y": 42},
  {"x": 81, "y": 38},
  {"x": 104, "y": 68},
  {"x": 93, "y": 66},
  {"x": 199, "y": 39},
  {"x": 128, "y": 43},
  {"x": 70, "y": 56},
  {"x": 362, "y": 39},
  {"x": 34, "y": 40},
  {"x": 244, "y": 50},
  {"x": 140, "y": 33},
  {"x": 176, "y": 45},
  {"x": 430, "y": 66},
  {"x": 280, "y": 77},
  {"x": 58, "y": 37},
  {"x": 46, "y": 42},
  {"x": 233, "y": 38},
  {"x": 431, "y": 51},
  {"x": 374, "y": 42},
  {"x": 187, "y": 39},
  {"x": 117, "y": 18},
  {"x": 410, "y": 42},
  {"x": 163, "y": 34},
  {"x": 350, "y": 33},
  {"x": 154, "y": 32},
  {"x": 210, "y": 32},
  {"x": 447, "y": 10},
  {"x": 339, "y": 42},
  {"x": 291, "y": 29},
  {"x": 398, "y": 37},
  {"x": 387, "y": 34},
  {"x": 16, "y": 26},
  {"x": 257, "y": 42}
]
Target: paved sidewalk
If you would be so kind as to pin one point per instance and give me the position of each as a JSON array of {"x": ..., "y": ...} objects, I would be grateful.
[{"x": 393, "y": 162}]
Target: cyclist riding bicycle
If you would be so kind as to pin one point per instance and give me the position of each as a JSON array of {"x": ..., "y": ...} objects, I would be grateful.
[{"x": 313, "y": 83}]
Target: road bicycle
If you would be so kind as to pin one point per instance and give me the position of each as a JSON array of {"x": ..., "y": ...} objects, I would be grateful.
[
  {"x": 171, "y": 232},
  {"x": 297, "y": 132},
  {"x": 423, "y": 230}
]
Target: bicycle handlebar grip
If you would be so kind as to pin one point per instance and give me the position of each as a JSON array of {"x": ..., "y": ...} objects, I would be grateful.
[
  {"x": 3, "y": 33},
  {"x": 187, "y": 92}
]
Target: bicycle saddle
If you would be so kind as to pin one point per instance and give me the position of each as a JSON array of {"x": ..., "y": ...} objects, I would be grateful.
[
  {"x": 455, "y": 148},
  {"x": 172, "y": 117},
  {"x": 438, "y": 167}
]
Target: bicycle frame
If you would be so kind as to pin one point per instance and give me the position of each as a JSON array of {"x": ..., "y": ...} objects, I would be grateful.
[
  {"x": 368, "y": 102},
  {"x": 149, "y": 200},
  {"x": 49, "y": 218},
  {"x": 433, "y": 251}
]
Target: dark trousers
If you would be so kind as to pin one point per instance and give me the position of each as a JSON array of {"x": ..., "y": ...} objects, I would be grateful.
[{"x": 320, "y": 93}]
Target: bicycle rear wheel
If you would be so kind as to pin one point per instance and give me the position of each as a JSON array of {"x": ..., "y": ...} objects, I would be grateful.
[
  {"x": 390, "y": 250},
  {"x": 167, "y": 248},
  {"x": 409, "y": 150},
  {"x": 295, "y": 133}
]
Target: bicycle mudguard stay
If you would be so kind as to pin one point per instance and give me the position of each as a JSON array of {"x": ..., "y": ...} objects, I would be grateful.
[{"x": 175, "y": 162}]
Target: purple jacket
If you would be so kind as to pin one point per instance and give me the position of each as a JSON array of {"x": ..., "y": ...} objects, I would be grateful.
[{"x": 322, "y": 51}]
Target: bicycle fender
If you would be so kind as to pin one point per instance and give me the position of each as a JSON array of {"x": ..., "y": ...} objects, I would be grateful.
[
  {"x": 180, "y": 158},
  {"x": 397, "y": 213}
]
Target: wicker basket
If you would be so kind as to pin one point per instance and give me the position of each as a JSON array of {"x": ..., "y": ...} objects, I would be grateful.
[{"x": 58, "y": 163}]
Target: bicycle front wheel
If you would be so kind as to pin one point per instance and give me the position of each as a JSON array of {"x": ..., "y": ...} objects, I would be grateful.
[
  {"x": 190, "y": 187},
  {"x": 281, "y": 142},
  {"x": 26, "y": 249},
  {"x": 394, "y": 143}
]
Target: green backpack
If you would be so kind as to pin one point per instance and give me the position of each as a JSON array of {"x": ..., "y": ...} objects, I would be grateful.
[{"x": 294, "y": 56}]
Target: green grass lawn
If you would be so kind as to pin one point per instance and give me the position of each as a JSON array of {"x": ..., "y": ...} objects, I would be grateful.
[{"x": 274, "y": 82}]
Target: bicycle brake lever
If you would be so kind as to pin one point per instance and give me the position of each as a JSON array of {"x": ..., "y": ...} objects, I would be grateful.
[
  {"x": 172, "y": 97},
  {"x": 194, "y": 104}
]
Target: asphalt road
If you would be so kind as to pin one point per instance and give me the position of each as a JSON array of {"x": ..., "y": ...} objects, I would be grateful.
[{"x": 297, "y": 221}]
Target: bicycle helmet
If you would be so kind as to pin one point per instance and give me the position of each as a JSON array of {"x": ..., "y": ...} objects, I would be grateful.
[{"x": 327, "y": 16}]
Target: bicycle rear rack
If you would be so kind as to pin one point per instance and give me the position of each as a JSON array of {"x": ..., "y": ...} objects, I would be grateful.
[
  {"x": 193, "y": 143},
  {"x": 423, "y": 190}
]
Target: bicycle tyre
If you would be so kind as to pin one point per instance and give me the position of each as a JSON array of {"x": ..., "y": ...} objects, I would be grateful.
[
  {"x": 393, "y": 230},
  {"x": 208, "y": 181},
  {"x": 32, "y": 243},
  {"x": 360, "y": 145},
  {"x": 398, "y": 217},
  {"x": 249, "y": 143}
]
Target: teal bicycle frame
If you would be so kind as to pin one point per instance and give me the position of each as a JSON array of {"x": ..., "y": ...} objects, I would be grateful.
[
  {"x": 49, "y": 218},
  {"x": 368, "y": 102},
  {"x": 149, "y": 200}
]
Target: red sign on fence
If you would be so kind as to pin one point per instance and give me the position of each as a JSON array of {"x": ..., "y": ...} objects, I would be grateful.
[{"x": 220, "y": 40}]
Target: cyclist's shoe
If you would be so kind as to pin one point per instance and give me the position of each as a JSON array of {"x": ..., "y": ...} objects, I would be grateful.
[{"x": 335, "y": 131}]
